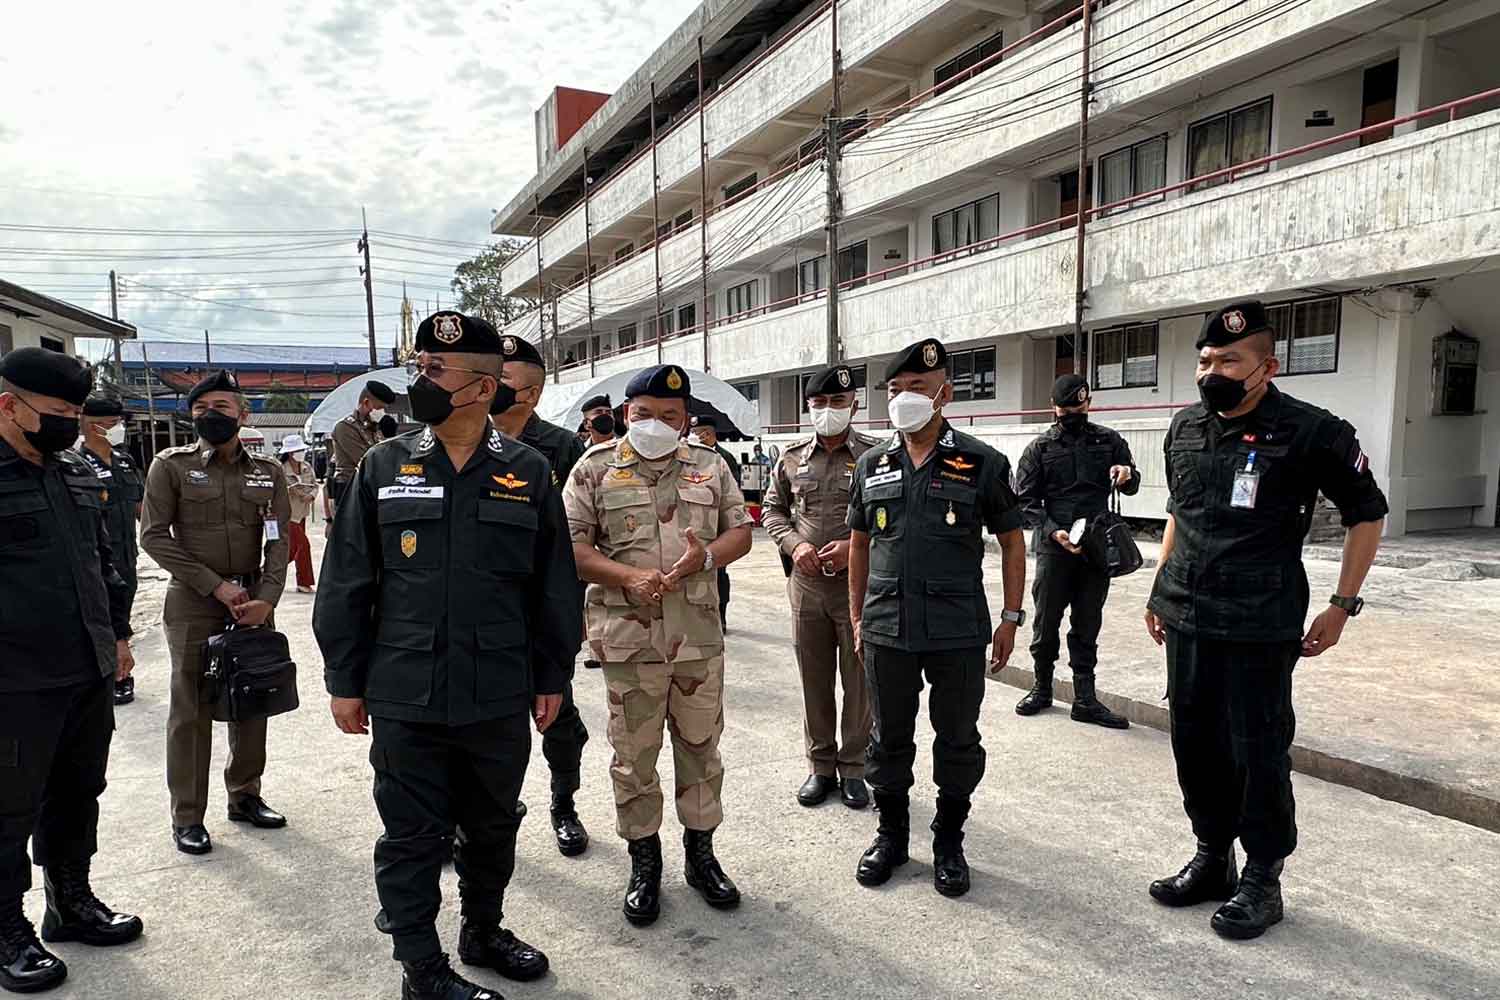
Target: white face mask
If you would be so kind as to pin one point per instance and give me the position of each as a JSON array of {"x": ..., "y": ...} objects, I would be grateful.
[
  {"x": 115, "y": 435},
  {"x": 652, "y": 438},
  {"x": 830, "y": 421},
  {"x": 376, "y": 416},
  {"x": 911, "y": 411},
  {"x": 298, "y": 456}
]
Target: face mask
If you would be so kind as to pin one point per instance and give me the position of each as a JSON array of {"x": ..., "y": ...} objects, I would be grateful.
[
  {"x": 216, "y": 428},
  {"x": 830, "y": 421},
  {"x": 604, "y": 423},
  {"x": 298, "y": 456},
  {"x": 652, "y": 438},
  {"x": 376, "y": 415},
  {"x": 1221, "y": 393},
  {"x": 911, "y": 411},
  {"x": 430, "y": 402},
  {"x": 115, "y": 435},
  {"x": 1072, "y": 421},
  {"x": 54, "y": 433},
  {"x": 505, "y": 398}
]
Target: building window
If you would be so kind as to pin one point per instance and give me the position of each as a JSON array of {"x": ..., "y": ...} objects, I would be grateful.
[
  {"x": 1125, "y": 357},
  {"x": 683, "y": 221},
  {"x": 1307, "y": 335},
  {"x": 665, "y": 324},
  {"x": 750, "y": 390},
  {"x": 972, "y": 374},
  {"x": 949, "y": 74},
  {"x": 854, "y": 264},
  {"x": 812, "y": 275},
  {"x": 687, "y": 316},
  {"x": 1228, "y": 140},
  {"x": 740, "y": 299},
  {"x": 624, "y": 251},
  {"x": 1133, "y": 170},
  {"x": 966, "y": 225},
  {"x": 53, "y": 344},
  {"x": 740, "y": 186},
  {"x": 625, "y": 337}
]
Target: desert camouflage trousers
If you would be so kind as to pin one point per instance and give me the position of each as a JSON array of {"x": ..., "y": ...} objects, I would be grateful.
[{"x": 688, "y": 697}]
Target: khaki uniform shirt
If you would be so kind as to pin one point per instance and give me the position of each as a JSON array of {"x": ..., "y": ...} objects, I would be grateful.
[
  {"x": 808, "y": 499},
  {"x": 352, "y": 437},
  {"x": 205, "y": 520},
  {"x": 301, "y": 499},
  {"x": 634, "y": 512}
]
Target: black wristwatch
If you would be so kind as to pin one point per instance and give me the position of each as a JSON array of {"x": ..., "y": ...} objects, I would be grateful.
[
  {"x": 1016, "y": 618},
  {"x": 1352, "y": 605}
]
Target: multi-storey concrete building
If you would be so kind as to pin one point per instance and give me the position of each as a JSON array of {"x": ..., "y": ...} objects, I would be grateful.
[{"x": 1366, "y": 204}]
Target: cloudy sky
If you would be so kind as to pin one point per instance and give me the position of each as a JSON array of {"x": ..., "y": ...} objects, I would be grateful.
[{"x": 156, "y": 118}]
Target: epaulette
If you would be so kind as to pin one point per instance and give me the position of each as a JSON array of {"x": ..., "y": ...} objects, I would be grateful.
[
  {"x": 602, "y": 446},
  {"x": 181, "y": 449}
]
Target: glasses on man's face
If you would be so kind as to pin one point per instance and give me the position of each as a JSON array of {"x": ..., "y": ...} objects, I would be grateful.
[{"x": 434, "y": 369}]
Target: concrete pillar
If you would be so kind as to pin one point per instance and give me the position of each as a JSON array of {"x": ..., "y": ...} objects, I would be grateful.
[
  {"x": 1385, "y": 443},
  {"x": 1414, "y": 89}
]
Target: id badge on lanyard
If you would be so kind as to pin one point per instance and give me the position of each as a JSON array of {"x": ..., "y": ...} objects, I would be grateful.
[
  {"x": 1246, "y": 486},
  {"x": 272, "y": 526}
]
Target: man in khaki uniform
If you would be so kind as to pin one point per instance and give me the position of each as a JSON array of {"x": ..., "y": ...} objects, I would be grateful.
[
  {"x": 353, "y": 436},
  {"x": 804, "y": 512},
  {"x": 216, "y": 518},
  {"x": 652, "y": 517}
]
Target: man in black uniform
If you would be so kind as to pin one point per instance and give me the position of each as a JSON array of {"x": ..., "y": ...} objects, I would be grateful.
[
  {"x": 514, "y": 413},
  {"x": 63, "y": 629},
  {"x": 1067, "y": 473},
  {"x": 124, "y": 489},
  {"x": 706, "y": 430},
  {"x": 917, "y": 511},
  {"x": 448, "y": 609},
  {"x": 1244, "y": 468},
  {"x": 598, "y": 420}
]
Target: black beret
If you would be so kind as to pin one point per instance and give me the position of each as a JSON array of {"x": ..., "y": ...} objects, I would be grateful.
[
  {"x": 922, "y": 357},
  {"x": 453, "y": 331},
  {"x": 1235, "y": 321},
  {"x": 47, "y": 373},
  {"x": 594, "y": 402},
  {"x": 663, "y": 382},
  {"x": 380, "y": 391},
  {"x": 1070, "y": 390},
  {"x": 100, "y": 405},
  {"x": 219, "y": 381},
  {"x": 517, "y": 349},
  {"x": 830, "y": 382},
  {"x": 707, "y": 420}
]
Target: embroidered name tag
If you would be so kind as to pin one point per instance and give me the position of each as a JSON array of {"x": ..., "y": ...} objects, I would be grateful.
[
  {"x": 267, "y": 483},
  {"x": 410, "y": 492},
  {"x": 884, "y": 477}
]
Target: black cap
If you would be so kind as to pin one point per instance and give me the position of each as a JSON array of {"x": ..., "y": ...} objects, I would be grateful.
[
  {"x": 663, "y": 382},
  {"x": 1070, "y": 390},
  {"x": 1235, "y": 321},
  {"x": 380, "y": 391},
  {"x": 922, "y": 357},
  {"x": 100, "y": 405},
  {"x": 453, "y": 331},
  {"x": 517, "y": 349},
  {"x": 594, "y": 402},
  {"x": 707, "y": 420},
  {"x": 219, "y": 381},
  {"x": 830, "y": 382},
  {"x": 47, "y": 373}
]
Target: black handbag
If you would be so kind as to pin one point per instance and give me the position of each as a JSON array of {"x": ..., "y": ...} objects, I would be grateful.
[
  {"x": 248, "y": 674},
  {"x": 1109, "y": 545}
]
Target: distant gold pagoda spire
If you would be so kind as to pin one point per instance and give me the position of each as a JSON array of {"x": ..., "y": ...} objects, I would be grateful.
[{"x": 408, "y": 327}]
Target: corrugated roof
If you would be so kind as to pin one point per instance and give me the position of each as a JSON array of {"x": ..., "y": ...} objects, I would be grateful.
[{"x": 190, "y": 354}]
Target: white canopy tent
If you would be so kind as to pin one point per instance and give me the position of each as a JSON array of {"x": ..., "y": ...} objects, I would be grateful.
[
  {"x": 341, "y": 402},
  {"x": 563, "y": 404}
]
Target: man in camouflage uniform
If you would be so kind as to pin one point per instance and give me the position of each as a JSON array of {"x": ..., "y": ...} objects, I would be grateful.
[{"x": 652, "y": 517}]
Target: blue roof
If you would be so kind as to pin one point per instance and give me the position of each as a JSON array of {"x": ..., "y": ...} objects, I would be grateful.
[{"x": 248, "y": 357}]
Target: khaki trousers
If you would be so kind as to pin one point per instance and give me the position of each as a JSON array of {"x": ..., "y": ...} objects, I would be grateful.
[
  {"x": 824, "y": 643},
  {"x": 189, "y": 620}
]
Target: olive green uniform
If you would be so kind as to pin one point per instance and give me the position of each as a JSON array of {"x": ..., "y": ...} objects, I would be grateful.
[
  {"x": 205, "y": 522},
  {"x": 352, "y": 437}
]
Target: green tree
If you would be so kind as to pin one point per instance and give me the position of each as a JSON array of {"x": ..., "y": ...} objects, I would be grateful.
[
  {"x": 476, "y": 282},
  {"x": 284, "y": 401}
]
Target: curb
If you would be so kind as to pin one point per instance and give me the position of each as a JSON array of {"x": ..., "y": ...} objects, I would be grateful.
[{"x": 1404, "y": 789}]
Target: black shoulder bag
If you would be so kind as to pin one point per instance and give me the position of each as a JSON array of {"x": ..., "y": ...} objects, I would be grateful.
[
  {"x": 1109, "y": 545},
  {"x": 248, "y": 674}
]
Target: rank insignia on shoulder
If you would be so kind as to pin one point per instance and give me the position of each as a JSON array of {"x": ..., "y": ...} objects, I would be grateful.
[
  {"x": 510, "y": 482},
  {"x": 880, "y": 518},
  {"x": 414, "y": 469},
  {"x": 408, "y": 543},
  {"x": 947, "y": 440}
]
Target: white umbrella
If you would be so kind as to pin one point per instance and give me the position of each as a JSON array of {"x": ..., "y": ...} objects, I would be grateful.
[
  {"x": 562, "y": 404},
  {"x": 341, "y": 402}
]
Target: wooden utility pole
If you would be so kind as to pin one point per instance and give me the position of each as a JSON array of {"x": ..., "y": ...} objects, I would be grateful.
[
  {"x": 207, "y": 355},
  {"x": 703, "y": 198},
  {"x": 831, "y": 169},
  {"x": 150, "y": 400},
  {"x": 656, "y": 223},
  {"x": 364, "y": 247},
  {"x": 1085, "y": 189},
  {"x": 114, "y": 314}
]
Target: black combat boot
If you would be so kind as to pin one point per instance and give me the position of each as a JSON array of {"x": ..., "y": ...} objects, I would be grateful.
[
  {"x": 74, "y": 913},
  {"x": 704, "y": 872},
  {"x": 1255, "y": 905},
  {"x": 434, "y": 979},
  {"x": 25, "y": 966},
  {"x": 1040, "y": 695},
  {"x": 950, "y": 869},
  {"x": 892, "y": 837},
  {"x": 643, "y": 895},
  {"x": 1211, "y": 875},
  {"x": 490, "y": 946},
  {"x": 1087, "y": 708},
  {"x": 572, "y": 838}
]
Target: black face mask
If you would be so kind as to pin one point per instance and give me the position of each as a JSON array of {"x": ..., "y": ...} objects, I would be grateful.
[
  {"x": 431, "y": 403},
  {"x": 1221, "y": 393},
  {"x": 505, "y": 398},
  {"x": 54, "y": 433},
  {"x": 1072, "y": 421},
  {"x": 604, "y": 423},
  {"x": 216, "y": 428}
]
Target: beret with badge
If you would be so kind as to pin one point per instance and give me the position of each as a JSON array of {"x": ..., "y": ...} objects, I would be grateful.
[
  {"x": 1070, "y": 390},
  {"x": 380, "y": 391},
  {"x": 1236, "y": 321},
  {"x": 662, "y": 381},
  {"x": 453, "y": 332},
  {"x": 47, "y": 373},
  {"x": 220, "y": 381},
  {"x": 518, "y": 349},
  {"x": 922, "y": 357},
  {"x": 100, "y": 405},
  {"x": 830, "y": 382},
  {"x": 594, "y": 402}
]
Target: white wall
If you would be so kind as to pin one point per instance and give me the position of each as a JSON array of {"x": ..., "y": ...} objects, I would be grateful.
[{"x": 29, "y": 333}]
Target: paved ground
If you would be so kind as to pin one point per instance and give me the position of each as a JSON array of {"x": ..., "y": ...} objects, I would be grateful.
[{"x": 1069, "y": 826}]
